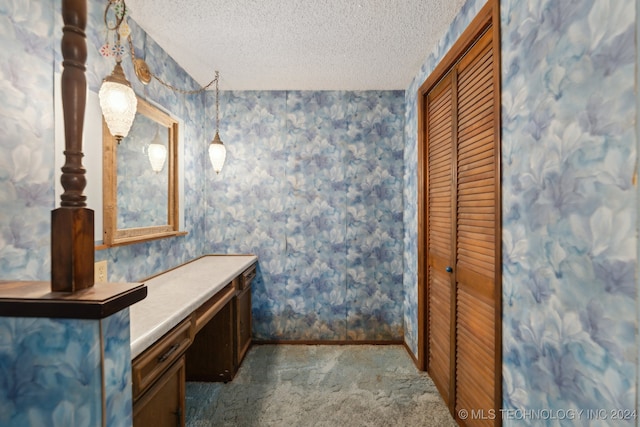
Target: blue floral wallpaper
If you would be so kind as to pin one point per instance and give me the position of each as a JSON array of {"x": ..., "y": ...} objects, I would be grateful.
[
  {"x": 26, "y": 137},
  {"x": 30, "y": 35},
  {"x": 135, "y": 262},
  {"x": 313, "y": 185},
  {"x": 116, "y": 367},
  {"x": 569, "y": 205},
  {"x": 50, "y": 373},
  {"x": 322, "y": 187},
  {"x": 569, "y": 140}
]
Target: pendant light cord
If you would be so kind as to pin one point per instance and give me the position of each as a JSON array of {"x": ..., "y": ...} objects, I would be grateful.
[
  {"x": 120, "y": 12},
  {"x": 217, "y": 103}
]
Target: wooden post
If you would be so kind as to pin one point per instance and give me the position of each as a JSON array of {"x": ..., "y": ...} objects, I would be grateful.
[{"x": 72, "y": 225}]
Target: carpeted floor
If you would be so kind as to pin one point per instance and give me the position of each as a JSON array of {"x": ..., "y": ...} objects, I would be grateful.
[{"x": 299, "y": 385}]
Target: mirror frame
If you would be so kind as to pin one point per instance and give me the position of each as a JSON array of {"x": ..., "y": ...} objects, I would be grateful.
[{"x": 113, "y": 236}]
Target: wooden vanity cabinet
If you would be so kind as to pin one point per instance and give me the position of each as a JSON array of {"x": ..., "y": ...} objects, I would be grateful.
[
  {"x": 243, "y": 310},
  {"x": 208, "y": 345},
  {"x": 159, "y": 379},
  {"x": 211, "y": 357},
  {"x": 163, "y": 405}
]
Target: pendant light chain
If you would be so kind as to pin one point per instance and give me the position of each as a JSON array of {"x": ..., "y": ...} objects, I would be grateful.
[
  {"x": 217, "y": 103},
  {"x": 120, "y": 12},
  {"x": 169, "y": 85}
]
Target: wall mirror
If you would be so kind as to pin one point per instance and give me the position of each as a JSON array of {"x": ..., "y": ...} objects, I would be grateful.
[{"x": 140, "y": 179}]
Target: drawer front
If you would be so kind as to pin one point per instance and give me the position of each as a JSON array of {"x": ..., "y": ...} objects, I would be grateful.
[
  {"x": 247, "y": 277},
  {"x": 163, "y": 405},
  {"x": 150, "y": 365},
  {"x": 206, "y": 311}
]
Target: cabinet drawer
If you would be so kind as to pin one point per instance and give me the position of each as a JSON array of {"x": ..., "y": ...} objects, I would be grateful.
[
  {"x": 147, "y": 367},
  {"x": 209, "y": 309},
  {"x": 164, "y": 403},
  {"x": 247, "y": 277}
]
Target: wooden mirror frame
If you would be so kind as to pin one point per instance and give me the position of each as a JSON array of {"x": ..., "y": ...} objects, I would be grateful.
[{"x": 113, "y": 236}]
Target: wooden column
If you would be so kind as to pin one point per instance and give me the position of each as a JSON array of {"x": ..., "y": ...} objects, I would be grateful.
[{"x": 72, "y": 225}]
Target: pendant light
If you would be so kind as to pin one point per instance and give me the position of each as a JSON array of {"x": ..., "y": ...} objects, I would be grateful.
[
  {"x": 157, "y": 153},
  {"x": 117, "y": 99},
  {"x": 118, "y": 102},
  {"x": 217, "y": 152}
]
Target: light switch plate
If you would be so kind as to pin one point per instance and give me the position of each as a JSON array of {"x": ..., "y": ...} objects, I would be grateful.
[{"x": 100, "y": 272}]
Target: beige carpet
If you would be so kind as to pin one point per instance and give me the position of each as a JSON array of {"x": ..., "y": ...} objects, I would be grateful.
[{"x": 299, "y": 385}]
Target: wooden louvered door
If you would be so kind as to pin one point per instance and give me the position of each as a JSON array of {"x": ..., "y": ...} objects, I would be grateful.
[
  {"x": 462, "y": 229},
  {"x": 475, "y": 342},
  {"x": 439, "y": 242}
]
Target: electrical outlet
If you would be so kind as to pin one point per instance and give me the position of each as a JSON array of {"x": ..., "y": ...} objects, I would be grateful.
[{"x": 100, "y": 272}]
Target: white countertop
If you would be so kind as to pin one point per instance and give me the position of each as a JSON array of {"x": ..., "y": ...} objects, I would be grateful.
[{"x": 173, "y": 295}]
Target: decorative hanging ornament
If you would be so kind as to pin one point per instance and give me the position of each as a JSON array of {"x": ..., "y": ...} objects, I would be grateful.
[
  {"x": 117, "y": 50},
  {"x": 124, "y": 29},
  {"x": 105, "y": 50},
  {"x": 120, "y": 9}
]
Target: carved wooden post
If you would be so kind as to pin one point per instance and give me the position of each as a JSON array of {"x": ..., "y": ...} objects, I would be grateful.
[{"x": 72, "y": 225}]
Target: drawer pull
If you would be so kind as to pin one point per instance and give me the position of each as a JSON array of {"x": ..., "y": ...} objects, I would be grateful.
[
  {"x": 168, "y": 353},
  {"x": 250, "y": 274}
]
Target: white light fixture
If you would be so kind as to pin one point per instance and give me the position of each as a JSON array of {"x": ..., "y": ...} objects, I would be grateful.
[
  {"x": 117, "y": 99},
  {"x": 157, "y": 153},
  {"x": 118, "y": 102},
  {"x": 217, "y": 152}
]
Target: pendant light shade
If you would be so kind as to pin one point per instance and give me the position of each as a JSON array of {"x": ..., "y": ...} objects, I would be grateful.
[
  {"x": 118, "y": 103},
  {"x": 217, "y": 153},
  {"x": 157, "y": 152}
]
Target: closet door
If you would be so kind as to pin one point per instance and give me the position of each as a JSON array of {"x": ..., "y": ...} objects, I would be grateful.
[
  {"x": 461, "y": 131},
  {"x": 439, "y": 235},
  {"x": 476, "y": 232}
]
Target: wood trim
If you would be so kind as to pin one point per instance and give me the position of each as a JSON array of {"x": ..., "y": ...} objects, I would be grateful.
[
  {"x": 480, "y": 23},
  {"x": 413, "y": 357},
  {"x": 206, "y": 311},
  {"x": 423, "y": 226},
  {"x": 497, "y": 67},
  {"x": 328, "y": 342},
  {"x": 35, "y": 299},
  {"x": 114, "y": 236}
]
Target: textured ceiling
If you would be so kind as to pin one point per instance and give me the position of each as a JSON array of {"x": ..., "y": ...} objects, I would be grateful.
[{"x": 298, "y": 44}]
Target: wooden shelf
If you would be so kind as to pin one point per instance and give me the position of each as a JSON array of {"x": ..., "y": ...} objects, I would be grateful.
[{"x": 35, "y": 299}]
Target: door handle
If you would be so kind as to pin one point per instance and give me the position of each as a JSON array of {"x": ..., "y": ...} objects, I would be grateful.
[{"x": 449, "y": 269}]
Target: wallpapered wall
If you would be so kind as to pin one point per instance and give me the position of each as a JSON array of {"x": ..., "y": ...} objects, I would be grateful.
[
  {"x": 31, "y": 33},
  {"x": 313, "y": 185},
  {"x": 50, "y": 369},
  {"x": 569, "y": 203},
  {"x": 65, "y": 372},
  {"x": 569, "y": 208}
]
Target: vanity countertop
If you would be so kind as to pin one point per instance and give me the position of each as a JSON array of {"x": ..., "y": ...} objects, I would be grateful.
[{"x": 175, "y": 294}]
